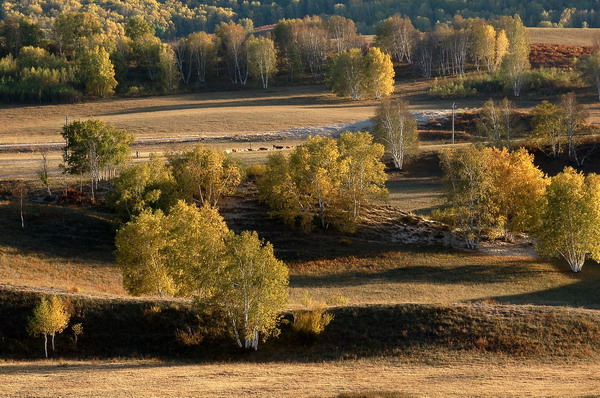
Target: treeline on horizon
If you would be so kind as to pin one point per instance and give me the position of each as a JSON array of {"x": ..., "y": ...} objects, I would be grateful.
[
  {"x": 174, "y": 18},
  {"x": 79, "y": 55}
]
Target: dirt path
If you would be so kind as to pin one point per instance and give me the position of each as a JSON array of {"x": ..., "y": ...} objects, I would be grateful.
[{"x": 158, "y": 379}]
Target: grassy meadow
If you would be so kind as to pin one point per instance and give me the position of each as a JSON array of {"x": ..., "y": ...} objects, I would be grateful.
[{"x": 409, "y": 320}]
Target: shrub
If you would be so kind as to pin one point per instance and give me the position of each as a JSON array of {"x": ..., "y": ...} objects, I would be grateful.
[
  {"x": 447, "y": 88},
  {"x": 311, "y": 323},
  {"x": 551, "y": 80},
  {"x": 256, "y": 171}
]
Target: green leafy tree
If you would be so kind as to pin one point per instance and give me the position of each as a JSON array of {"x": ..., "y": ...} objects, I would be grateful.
[
  {"x": 254, "y": 289},
  {"x": 49, "y": 318},
  {"x": 347, "y": 76},
  {"x": 75, "y": 30},
  {"x": 93, "y": 147},
  {"x": 262, "y": 59},
  {"x": 570, "y": 218},
  {"x": 97, "y": 71},
  {"x": 590, "y": 67},
  {"x": 205, "y": 175},
  {"x": 396, "y": 129},
  {"x": 352, "y": 74}
]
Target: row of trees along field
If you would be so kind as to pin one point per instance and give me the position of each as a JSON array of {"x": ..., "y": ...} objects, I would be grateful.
[
  {"x": 177, "y": 18},
  {"x": 496, "y": 191},
  {"x": 79, "y": 56}
]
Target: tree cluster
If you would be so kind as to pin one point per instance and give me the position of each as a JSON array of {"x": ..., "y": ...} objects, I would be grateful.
[
  {"x": 324, "y": 181},
  {"x": 492, "y": 190},
  {"x": 190, "y": 252},
  {"x": 201, "y": 176}
]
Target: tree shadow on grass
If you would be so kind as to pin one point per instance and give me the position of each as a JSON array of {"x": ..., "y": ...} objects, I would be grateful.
[
  {"x": 430, "y": 274},
  {"x": 583, "y": 292},
  {"x": 59, "y": 232}
]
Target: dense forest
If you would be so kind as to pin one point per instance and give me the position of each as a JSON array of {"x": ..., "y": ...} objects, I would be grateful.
[
  {"x": 176, "y": 18},
  {"x": 55, "y": 52}
]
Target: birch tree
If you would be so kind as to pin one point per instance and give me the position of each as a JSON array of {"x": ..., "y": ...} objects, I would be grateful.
[
  {"x": 515, "y": 66},
  {"x": 254, "y": 289},
  {"x": 363, "y": 175},
  {"x": 233, "y": 41},
  {"x": 468, "y": 190},
  {"x": 343, "y": 32},
  {"x": 49, "y": 318},
  {"x": 570, "y": 219},
  {"x": 396, "y": 129},
  {"x": 396, "y": 36},
  {"x": 548, "y": 127},
  {"x": 262, "y": 59},
  {"x": 204, "y": 175},
  {"x": 574, "y": 123}
]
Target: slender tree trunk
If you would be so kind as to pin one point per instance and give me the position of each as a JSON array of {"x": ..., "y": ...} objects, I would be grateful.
[{"x": 46, "y": 345}]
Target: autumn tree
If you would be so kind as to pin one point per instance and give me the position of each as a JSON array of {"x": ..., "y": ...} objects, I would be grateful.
[
  {"x": 396, "y": 36},
  {"x": 254, "y": 289},
  {"x": 468, "y": 190},
  {"x": 233, "y": 41},
  {"x": 342, "y": 32},
  {"x": 379, "y": 73},
  {"x": 517, "y": 188},
  {"x": 191, "y": 253},
  {"x": 313, "y": 43},
  {"x": 396, "y": 129},
  {"x": 497, "y": 121},
  {"x": 148, "y": 185},
  {"x": 314, "y": 183},
  {"x": 178, "y": 254},
  {"x": 49, "y": 318},
  {"x": 97, "y": 71},
  {"x": 570, "y": 218},
  {"x": 76, "y": 30},
  {"x": 574, "y": 121},
  {"x": 204, "y": 174},
  {"x": 363, "y": 176},
  {"x": 202, "y": 53},
  {"x": 547, "y": 121},
  {"x": 262, "y": 59},
  {"x": 515, "y": 66}
]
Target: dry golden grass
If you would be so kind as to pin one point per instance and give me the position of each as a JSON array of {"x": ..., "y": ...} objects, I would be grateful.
[
  {"x": 475, "y": 378},
  {"x": 566, "y": 36},
  {"x": 206, "y": 114},
  {"x": 62, "y": 274}
]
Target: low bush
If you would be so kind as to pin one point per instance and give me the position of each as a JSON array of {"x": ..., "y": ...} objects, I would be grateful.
[
  {"x": 446, "y": 88},
  {"x": 311, "y": 323}
]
